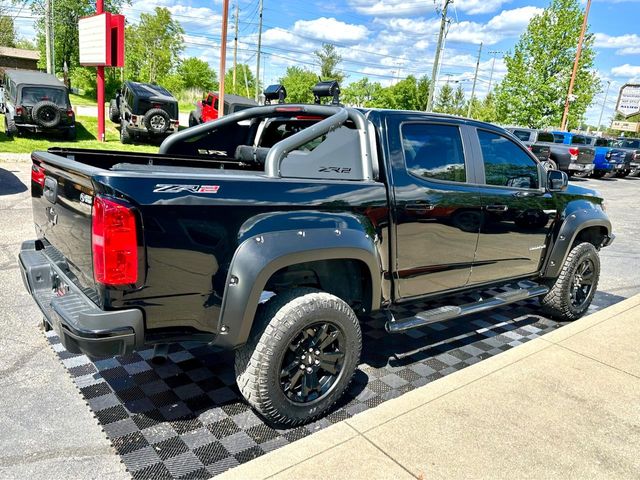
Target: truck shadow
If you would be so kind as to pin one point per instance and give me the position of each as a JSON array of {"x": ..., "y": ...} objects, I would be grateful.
[{"x": 10, "y": 184}]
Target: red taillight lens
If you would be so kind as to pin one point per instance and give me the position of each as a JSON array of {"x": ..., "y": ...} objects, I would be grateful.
[
  {"x": 70, "y": 113},
  {"x": 19, "y": 110},
  {"x": 37, "y": 175},
  {"x": 114, "y": 243},
  {"x": 573, "y": 151},
  {"x": 530, "y": 148}
]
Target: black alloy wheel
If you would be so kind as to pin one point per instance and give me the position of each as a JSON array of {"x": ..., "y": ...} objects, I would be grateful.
[
  {"x": 582, "y": 283},
  {"x": 313, "y": 363}
]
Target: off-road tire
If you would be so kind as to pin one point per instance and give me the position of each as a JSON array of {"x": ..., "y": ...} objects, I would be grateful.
[
  {"x": 156, "y": 121},
  {"x": 46, "y": 114},
  {"x": 193, "y": 120},
  {"x": 114, "y": 113},
  {"x": 557, "y": 303},
  {"x": 10, "y": 128},
  {"x": 622, "y": 174},
  {"x": 258, "y": 363},
  {"x": 125, "y": 135}
]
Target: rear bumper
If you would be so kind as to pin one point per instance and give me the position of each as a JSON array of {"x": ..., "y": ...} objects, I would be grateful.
[
  {"x": 81, "y": 325},
  {"x": 581, "y": 167},
  {"x": 32, "y": 127}
]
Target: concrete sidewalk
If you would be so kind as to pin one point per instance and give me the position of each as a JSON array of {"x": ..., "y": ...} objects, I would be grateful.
[{"x": 566, "y": 405}]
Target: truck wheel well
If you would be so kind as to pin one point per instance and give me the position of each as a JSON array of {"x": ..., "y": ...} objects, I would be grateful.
[
  {"x": 347, "y": 279},
  {"x": 593, "y": 235}
]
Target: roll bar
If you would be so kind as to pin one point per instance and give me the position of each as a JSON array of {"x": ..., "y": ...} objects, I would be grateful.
[{"x": 336, "y": 116}]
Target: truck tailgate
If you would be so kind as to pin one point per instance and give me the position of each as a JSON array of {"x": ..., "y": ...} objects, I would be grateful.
[
  {"x": 62, "y": 199},
  {"x": 586, "y": 155}
]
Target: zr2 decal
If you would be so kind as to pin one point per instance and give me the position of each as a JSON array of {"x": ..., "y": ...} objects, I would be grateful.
[
  {"x": 335, "y": 169},
  {"x": 166, "y": 188}
]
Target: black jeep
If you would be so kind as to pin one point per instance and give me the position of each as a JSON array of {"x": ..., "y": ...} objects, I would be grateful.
[
  {"x": 36, "y": 102},
  {"x": 144, "y": 110}
]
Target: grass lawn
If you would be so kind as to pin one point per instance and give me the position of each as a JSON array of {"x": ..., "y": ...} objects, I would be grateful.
[
  {"x": 87, "y": 131},
  {"x": 186, "y": 107},
  {"x": 79, "y": 100}
]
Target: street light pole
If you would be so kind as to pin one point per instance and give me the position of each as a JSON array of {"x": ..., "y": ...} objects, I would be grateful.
[
  {"x": 493, "y": 65},
  {"x": 436, "y": 61},
  {"x": 603, "y": 103},
  {"x": 565, "y": 115},
  {"x": 475, "y": 79}
]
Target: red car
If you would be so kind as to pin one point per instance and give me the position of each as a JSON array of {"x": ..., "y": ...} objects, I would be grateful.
[{"x": 207, "y": 108}]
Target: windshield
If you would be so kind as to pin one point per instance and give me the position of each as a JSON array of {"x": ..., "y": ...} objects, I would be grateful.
[
  {"x": 33, "y": 95},
  {"x": 630, "y": 143}
]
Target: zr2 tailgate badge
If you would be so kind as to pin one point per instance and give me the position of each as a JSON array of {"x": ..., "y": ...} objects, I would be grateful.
[{"x": 166, "y": 188}]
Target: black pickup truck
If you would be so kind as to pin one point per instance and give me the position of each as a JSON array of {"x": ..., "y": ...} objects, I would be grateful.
[{"x": 269, "y": 231}]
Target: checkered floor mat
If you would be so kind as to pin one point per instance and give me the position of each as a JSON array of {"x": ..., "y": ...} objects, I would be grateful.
[{"x": 184, "y": 418}]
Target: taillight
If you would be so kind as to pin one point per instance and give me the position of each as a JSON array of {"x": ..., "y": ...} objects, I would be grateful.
[
  {"x": 573, "y": 151},
  {"x": 530, "y": 148},
  {"x": 70, "y": 113},
  {"x": 636, "y": 156},
  {"x": 37, "y": 175},
  {"x": 19, "y": 110},
  {"x": 114, "y": 243}
]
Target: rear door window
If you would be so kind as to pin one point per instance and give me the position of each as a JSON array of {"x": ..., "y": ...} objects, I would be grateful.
[
  {"x": 433, "y": 151},
  {"x": 558, "y": 138},
  {"x": 578, "y": 140},
  {"x": 545, "y": 137}
]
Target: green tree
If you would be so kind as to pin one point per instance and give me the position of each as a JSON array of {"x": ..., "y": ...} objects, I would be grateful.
[
  {"x": 444, "y": 102},
  {"x": 459, "y": 106},
  {"x": 245, "y": 81},
  {"x": 154, "y": 46},
  {"x": 299, "y": 81},
  {"x": 328, "y": 59},
  {"x": 534, "y": 90},
  {"x": 359, "y": 93},
  {"x": 484, "y": 110},
  {"x": 197, "y": 74},
  {"x": 408, "y": 94},
  {"x": 7, "y": 31}
]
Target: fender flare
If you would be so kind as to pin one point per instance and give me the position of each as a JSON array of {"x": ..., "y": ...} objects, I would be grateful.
[
  {"x": 574, "y": 223},
  {"x": 260, "y": 256}
]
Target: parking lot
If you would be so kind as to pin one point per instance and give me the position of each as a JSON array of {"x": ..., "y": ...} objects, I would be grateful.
[{"x": 66, "y": 416}]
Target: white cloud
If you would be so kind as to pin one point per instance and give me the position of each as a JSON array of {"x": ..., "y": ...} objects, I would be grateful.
[
  {"x": 330, "y": 29},
  {"x": 628, "y": 44},
  {"x": 402, "y": 7},
  {"x": 626, "y": 70},
  {"x": 508, "y": 23}
]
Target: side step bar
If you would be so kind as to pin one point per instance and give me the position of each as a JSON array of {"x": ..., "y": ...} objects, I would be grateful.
[{"x": 449, "y": 312}]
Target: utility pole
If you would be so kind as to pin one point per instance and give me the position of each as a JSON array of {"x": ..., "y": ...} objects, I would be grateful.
[
  {"x": 475, "y": 79},
  {"x": 493, "y": 65},
  {"x": 436, "y": 61},
  {"x": 223, "y": 57},
  {"x": 565, "y": 115},
  {"x": 259, "y": 47},
  {"x": 604, "y": 103},
  {"x": 48, "y": 36},
  {"x": 235, "y": 48}
]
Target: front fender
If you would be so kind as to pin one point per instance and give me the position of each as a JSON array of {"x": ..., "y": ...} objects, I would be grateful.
[
  {"x": 576, "y": 220},
  {"x": 260, "y": 256}
]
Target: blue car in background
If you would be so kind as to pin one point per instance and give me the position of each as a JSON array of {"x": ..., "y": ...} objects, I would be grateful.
[{"x": 604, "y": 162}]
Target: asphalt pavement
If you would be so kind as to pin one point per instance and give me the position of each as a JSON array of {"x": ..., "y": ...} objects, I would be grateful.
[{"x": 47, "y": 429}]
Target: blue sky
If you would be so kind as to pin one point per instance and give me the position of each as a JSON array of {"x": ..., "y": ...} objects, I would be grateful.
[{"x": 387, "y": 40}]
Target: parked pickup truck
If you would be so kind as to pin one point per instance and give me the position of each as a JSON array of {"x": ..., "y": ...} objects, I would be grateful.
[
  {"x": 531, "y": 138},
  {"x": 628, "y": 152},
  {"x": 271, "y": 230},
  {"x": 572, "y": 154},
  {"x": 607, "y": 158}
]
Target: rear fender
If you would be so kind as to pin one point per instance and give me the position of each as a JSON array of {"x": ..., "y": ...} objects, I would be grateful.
[
  {"x": 580, "y": 216},
  {"x": 260, "y": 256}
]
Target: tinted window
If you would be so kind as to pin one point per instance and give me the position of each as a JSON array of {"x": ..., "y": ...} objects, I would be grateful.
[
  {"x": 628, "y": 143},
  {"x": 522, "y": 135},
  {"x": 602, "y": 142},
  {"x": 433, "y": 151},
  {"x": 505, "y": 163},
  {"x": 545, "y": 137},
  {"x": 33, "y": 95},
  {"x": 578, "y": 140},
  {"x": 558, "y": 138}
]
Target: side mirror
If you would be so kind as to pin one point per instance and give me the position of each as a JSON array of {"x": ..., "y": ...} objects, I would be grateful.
[{"x": 557, "y": 181}]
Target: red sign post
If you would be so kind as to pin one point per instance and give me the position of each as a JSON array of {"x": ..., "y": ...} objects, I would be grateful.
[{"x": 101, "y": 45}]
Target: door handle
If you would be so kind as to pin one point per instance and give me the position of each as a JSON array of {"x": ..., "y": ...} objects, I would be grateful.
[
  {"x": 496, "y": 208},
  {"x": 419, "y": 207}
]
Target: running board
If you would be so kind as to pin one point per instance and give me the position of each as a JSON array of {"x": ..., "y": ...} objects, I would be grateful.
[{"x": 449, "y": 312}]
